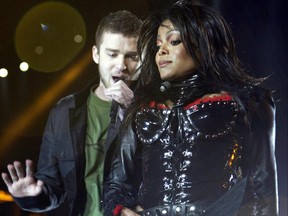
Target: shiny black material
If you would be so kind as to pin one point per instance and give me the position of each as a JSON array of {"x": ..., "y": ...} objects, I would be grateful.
[
  {"x": 177, "y": 210},
  {"x": 216, "y": 154},
  {"x": 190, "y": 153}
]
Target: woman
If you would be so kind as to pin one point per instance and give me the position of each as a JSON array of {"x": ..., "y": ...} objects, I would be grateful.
[{"x": 200, "y": 134}]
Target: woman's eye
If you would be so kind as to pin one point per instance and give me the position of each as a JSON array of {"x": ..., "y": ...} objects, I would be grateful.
[
  {"x": 175, "y": 42},
  {"x": 157, "y": 47}
]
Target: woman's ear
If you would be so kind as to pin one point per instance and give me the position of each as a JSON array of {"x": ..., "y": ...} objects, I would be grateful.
[{"x": 95, "y": 54}]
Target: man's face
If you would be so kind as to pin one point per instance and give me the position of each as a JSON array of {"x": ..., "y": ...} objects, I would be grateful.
[{"x": 116, "y": 57}]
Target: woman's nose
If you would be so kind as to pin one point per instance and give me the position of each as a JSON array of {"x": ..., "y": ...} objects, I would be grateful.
[{"x": 163, "y": 49}]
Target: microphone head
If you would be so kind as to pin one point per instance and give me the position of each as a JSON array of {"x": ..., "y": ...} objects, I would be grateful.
[{"x": 165, "y": 86}]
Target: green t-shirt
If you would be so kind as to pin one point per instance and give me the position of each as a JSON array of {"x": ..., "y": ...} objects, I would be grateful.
[{"x": 97, "y": 127}]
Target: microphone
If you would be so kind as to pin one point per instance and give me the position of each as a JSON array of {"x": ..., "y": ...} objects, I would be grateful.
[
  {"x": 114, "y": 111},
  {"x": 165, "y": 86},
  {"x": 115, "y": 105}
]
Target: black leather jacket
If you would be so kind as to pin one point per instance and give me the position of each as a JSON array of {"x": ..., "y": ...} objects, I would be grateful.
[
  {"x": 61, "y": 162},
  {"x": 216, "y": 154}
]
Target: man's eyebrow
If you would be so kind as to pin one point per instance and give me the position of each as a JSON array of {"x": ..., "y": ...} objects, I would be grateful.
[
  {"x": 111, "y": 50},
  {"x": 115, "y": 50},
  {"x": 133, "y": 53}
]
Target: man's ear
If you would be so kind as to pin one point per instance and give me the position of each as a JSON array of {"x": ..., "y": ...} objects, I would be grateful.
[{"x": 95, "y": 54}]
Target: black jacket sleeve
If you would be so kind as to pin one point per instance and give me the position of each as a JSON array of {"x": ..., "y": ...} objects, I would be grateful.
[
  {"x": 48, "y": 165},
  {"x": 261, "y": 196},
  {"x": 122, "y": 183}
]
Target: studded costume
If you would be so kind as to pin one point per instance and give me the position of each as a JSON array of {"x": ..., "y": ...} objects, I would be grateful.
[{"x": 204, "y": 156}]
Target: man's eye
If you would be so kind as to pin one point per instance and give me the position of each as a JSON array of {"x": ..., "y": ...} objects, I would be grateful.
[
  {"x": 175, "y": 42},
  {"x": 112, "y": 54},
  {"x": 133, "y": 57}
]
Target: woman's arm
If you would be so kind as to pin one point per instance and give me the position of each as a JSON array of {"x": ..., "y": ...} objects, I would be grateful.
[{"x": 261, "y": 196}]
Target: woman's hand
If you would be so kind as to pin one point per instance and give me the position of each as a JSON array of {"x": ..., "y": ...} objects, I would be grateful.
[{"x": 129, "y": 212}]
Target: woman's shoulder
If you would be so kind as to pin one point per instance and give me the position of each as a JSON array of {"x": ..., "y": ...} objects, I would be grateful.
[
  {"x": 256, "y": 94},
  {"x": 258, "y": 102},
  {"x": 253, "y": 89}
]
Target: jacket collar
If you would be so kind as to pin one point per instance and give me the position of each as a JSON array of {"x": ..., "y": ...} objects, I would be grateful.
[{"x": 81, "y": 96}]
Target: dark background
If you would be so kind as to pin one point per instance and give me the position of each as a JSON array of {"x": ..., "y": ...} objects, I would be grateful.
[{"x": 260, "y": 32}]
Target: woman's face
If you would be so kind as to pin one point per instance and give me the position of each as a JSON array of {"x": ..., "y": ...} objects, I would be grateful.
[{"x": 172, "y": 59}]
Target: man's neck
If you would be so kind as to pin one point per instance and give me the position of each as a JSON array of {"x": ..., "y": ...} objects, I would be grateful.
[{"x": 99, "y": 91}]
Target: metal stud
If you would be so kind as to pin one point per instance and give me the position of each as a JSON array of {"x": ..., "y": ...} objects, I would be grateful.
[
  {"x": 192, "y": 208},
  {"x": 164, "y": 211}
]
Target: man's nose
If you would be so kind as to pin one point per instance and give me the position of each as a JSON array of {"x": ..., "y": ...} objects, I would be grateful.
[{"x": 121, "y": 64}]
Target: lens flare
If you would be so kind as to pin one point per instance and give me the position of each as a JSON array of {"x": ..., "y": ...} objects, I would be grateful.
[{"x": 49, "y": 36}]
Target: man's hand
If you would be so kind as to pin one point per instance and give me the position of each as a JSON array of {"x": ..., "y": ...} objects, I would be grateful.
[
  {"x": 21, "y": 183},
  {"x": 120, "y": 92}
]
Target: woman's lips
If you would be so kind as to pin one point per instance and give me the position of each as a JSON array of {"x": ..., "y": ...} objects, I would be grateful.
[{"x": 164, "y": 63}]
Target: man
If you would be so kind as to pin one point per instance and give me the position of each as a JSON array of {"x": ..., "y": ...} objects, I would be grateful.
[{"x": 70, "y": 166}]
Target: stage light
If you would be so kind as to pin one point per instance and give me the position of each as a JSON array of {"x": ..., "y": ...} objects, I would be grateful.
[
  {"x": 29, "y": 115},
  {"x": 24, "y": 66},
  {"x": 3, "y": 72},
  {"x": 5, "y": 197}
]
